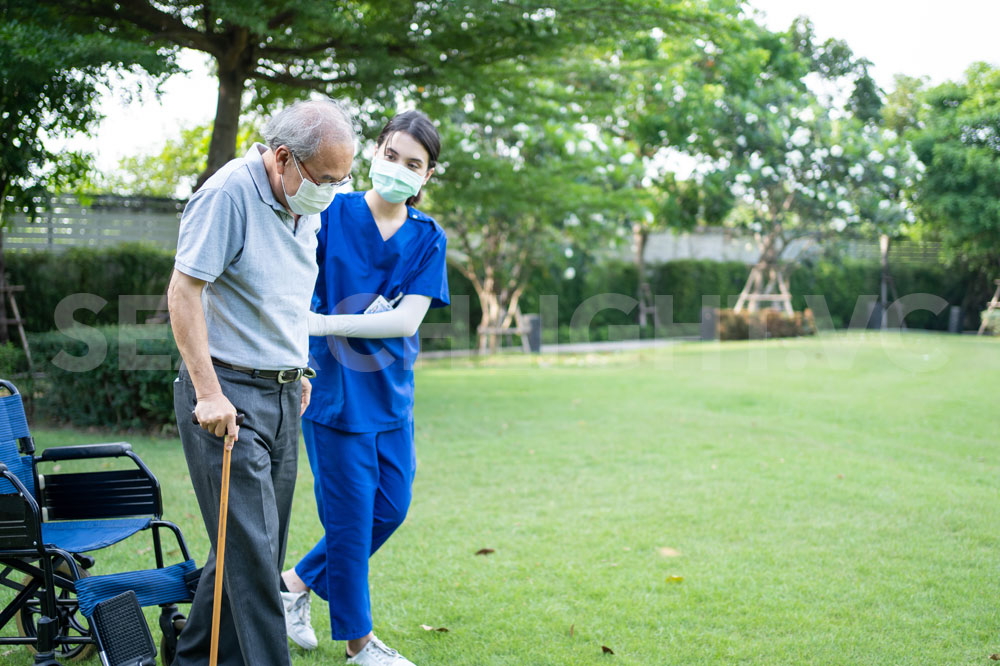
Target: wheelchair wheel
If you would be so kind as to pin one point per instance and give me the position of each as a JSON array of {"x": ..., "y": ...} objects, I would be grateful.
[
  {"x": 71, "y": 621},
  {"x": 168, "y": 644}
]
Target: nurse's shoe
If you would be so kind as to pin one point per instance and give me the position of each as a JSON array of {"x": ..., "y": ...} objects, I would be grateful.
[
  {"x": 377, "y": 653},
  {"x": 298, "y": 624}
]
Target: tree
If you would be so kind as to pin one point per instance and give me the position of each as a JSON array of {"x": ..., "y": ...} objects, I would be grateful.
[
  {"x": 882, "y": 168},
  {"x": 745, "y": 107},
  {"x": 52, "y": 73},
  {"x": 513, "y": 196},
  {"x": 647, "y": 76},
  {"x": 376, "y": 51},
  {"x": 957, "y": 138},
  {"x": 174, "y": 171}
]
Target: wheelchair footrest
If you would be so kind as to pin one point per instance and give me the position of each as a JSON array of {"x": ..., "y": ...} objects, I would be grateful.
[
  {"x": 123, "y": 637},
  {"x": 152, "y": 587}
]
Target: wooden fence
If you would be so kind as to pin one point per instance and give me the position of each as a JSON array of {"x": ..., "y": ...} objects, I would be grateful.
[
  {"x": 109, "y": 220},
  {"x": 64, "y": 222}
]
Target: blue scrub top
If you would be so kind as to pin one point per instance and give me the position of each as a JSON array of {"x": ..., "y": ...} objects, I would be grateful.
[{"x": 366, "y": 385}]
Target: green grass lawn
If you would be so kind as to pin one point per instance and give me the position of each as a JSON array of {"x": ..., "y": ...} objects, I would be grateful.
[{"x": 819, "y": 501}]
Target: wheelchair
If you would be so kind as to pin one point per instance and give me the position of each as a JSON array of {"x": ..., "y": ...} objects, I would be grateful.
[{"x": 49, "y": 522}]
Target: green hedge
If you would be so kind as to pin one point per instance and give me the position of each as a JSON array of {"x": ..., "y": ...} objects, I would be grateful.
[
  {"x": 839, "y": 282},
  {"x": 127, "y": 269},
  {"x": 110, "y": 395},
  {"x": 107, "y": 377},
  {"x": 144, "y": 270}
]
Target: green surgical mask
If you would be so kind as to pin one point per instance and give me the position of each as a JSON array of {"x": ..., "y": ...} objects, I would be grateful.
[{"x": 394, "y": 182}]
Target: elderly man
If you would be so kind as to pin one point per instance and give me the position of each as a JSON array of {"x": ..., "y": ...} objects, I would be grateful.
[{"x": 242, "y": 282}]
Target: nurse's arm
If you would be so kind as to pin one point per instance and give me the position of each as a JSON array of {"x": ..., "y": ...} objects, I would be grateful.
[
  {"x": 400, "y": 322},
  {"x": 187, "y": 319}
]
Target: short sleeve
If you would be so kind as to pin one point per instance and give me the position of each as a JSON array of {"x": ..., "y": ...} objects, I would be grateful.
[
  {"x": 431, "y": 275},
  {"x": 212, "y": 233},
  {"x": 319, "y": 298}
]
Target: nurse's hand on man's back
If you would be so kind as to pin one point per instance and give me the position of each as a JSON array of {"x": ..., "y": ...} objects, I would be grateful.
[{"x": 306, "y": 395}]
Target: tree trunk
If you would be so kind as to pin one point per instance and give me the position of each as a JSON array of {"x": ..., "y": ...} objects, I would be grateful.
[
  {"x": 766, "y": 264},
  {"x": 232, "y": 83},
  {"x": 883, "y": 242},
  {"x": 4, "y": 331},
  {"x": 499, "y": 306},
  {"x": 640, "y": 234}
]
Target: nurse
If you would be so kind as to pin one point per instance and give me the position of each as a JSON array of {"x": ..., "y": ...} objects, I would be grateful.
[{"x": 381, "y": 267}]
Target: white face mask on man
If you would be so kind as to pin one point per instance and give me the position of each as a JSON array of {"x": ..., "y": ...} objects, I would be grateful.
[{"x": 310, "y": 197}]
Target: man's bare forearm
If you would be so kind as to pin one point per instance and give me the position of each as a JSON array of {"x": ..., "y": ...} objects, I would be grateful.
[{"x": 190, "y": 332}]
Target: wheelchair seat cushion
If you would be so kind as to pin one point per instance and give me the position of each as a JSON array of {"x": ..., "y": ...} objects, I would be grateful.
[
  {"x": 81, "y": 536},
  {"x": 151, "y": 586}
]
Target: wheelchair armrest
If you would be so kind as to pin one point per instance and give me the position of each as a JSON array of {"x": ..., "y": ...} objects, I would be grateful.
[
  {"x": 109, "y": 493},
  {"x": 81, "y": 452}
]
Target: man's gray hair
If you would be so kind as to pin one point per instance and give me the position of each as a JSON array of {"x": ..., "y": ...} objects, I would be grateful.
[{"x": 304, "y": 126}]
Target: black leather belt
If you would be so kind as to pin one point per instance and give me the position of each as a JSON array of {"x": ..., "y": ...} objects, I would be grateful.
[{"x": 281, "y": 376}]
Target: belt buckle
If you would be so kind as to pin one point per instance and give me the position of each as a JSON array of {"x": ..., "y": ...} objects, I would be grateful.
[{"x": 289, "y": 376}]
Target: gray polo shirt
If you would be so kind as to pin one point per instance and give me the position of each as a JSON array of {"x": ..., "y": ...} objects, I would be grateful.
[{"x": 260, "y": 268}]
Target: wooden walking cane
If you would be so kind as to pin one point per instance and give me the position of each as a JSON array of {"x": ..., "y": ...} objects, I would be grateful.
[{"x": 220, "y": 547}]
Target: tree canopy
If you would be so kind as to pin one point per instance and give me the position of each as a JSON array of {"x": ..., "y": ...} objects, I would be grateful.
[
  {"x": 957, "y": 138},
  {"x": 52, "y": 74},
  {"x": 374, "y": 51}
]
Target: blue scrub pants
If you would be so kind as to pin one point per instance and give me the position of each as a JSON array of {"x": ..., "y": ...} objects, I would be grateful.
[{"x": 363, "y": 485}]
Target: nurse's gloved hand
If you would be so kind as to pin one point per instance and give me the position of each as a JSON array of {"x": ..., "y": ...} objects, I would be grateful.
[
  {"x": 306, "y": 395},
  {"x": 322, "y": 325},
  {"x": 400, "y": 322}
]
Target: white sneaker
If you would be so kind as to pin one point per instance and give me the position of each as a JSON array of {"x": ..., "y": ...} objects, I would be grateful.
[
  {"x": 377, "y": 653},
  {"x": 298, "y": 624}
]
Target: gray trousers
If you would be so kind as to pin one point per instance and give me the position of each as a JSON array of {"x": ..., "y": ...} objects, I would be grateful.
[{"x": 261, "y": 483}]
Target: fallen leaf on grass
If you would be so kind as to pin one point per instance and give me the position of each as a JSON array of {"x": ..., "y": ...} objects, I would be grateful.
[
  {"x": 571, "y": 628},
  {"x": 606, "y": 650},
  {"x": 427, "y": 627},
  {"x": 675, "y": 579},
  {"x": 995, "y": 657},
  {"x": 485, "y": 551},
  {"x": 666, "y": 551}
]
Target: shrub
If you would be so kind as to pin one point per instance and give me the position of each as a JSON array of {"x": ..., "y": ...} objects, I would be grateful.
[
  {"x": 992, "y": 320},
  {"x": 126, "y": 390},
  {"x": 109, "y": 272},
  {"x": 764, "y": 324},
  {"x": 14, "y": 368}
]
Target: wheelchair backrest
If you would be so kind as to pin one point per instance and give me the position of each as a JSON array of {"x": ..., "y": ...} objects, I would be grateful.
[{"x": 15, "y": 440}]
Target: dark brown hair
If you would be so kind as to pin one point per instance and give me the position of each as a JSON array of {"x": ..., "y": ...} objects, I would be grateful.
[{"x": 420, "y": 127}]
